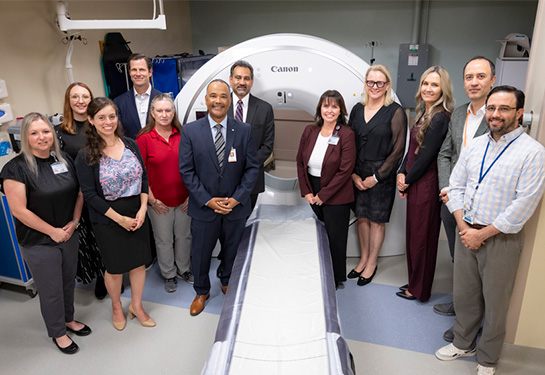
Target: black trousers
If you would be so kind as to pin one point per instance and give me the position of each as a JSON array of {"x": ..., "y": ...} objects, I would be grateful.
[{"x": 335, "y": 218}]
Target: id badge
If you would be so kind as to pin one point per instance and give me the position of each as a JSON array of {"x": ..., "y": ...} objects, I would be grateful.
[
  {"x": 333, "y": 140},
  {"x": 232, "y": 156},
  {"x": 469, "y": 215},
  {"x": 58, "y": 167}
]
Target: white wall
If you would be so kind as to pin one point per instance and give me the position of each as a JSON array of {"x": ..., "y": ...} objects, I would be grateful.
[
  {"x": 457, "y": 30},
  {"x": 33, "y": 55}
]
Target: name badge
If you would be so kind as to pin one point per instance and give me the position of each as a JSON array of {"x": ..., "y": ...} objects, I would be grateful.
[
  {"x": 58, "y": 167},
  {"x": 232, "y": 156},
  {"x": 333, "y": 140},
  {"x": 469, "y": 215}
]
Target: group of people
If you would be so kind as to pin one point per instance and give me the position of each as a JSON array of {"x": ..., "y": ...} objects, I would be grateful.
[
  {"x": 80, "y": 193},
  {"x": 202, "y": 184},
  {"x": 473, "y": 167}
]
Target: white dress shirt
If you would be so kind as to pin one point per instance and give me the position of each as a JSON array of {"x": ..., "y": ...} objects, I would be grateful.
[
  {"x": 142, "y": 105},
  {"x": 245, "y": 102}
]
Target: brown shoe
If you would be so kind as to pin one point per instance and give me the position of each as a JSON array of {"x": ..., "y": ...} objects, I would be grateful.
[
  {"x": 224, "y": 289},
  {"x": 198, "y": 304}
]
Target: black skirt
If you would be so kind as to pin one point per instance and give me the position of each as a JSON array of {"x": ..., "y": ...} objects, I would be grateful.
[
  {"x": 123, "y": 250},
  {"x": 375, "y": 204}
]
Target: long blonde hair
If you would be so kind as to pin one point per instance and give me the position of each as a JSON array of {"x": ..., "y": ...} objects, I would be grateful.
[
  {"x": 388, "y": 96},
  {"x": 444, "y": 104},
  {"x": 151, "y": 120},
  {"x": 25, "y": 147}
]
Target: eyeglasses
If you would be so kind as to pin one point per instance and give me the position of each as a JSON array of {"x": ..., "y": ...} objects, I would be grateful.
[
  {"x": 503, "y": 109},
  {"x": 82, "y": 97},
  {"x": 380, "y": 84}
]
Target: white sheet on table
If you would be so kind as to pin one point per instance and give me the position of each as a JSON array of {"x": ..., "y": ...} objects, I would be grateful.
[{"x": 282, "y": 327}]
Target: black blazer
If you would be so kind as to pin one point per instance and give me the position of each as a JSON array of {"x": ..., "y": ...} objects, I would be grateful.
[
  {"x": 128, "y": 115},
  {"x": 261, "y": 117},
  {"x": 89, "y": 181}
]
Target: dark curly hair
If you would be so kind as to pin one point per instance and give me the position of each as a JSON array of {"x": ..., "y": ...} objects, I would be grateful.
[{"x": 95, "y": 144}]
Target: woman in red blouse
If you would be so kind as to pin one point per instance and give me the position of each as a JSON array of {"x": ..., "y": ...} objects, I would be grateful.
[{"x": 159, "y": 144}]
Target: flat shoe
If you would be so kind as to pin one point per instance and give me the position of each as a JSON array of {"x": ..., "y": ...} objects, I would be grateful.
[
  {"x": 85, "y": 331},
  {"x": 364, "y": 281},
  {"x": 70, "y": 349},
  {"x": 354, "y": 274},
  {"x": 404, "y": 287},
  {"x": 404, "y": 295}
]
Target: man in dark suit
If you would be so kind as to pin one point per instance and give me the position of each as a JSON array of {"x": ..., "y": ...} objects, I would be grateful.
[
  {"x": 134, "y": 104},
  {"x": 219, "y": 167},
  {"x": 254, "y": 111},
  {"x": 467, "y": 122}
]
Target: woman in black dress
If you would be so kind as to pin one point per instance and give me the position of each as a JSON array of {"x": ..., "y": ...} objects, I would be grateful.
[
  {"x": 71, "y": 139},
  {"x": 417, "y": 180},
  {"x": 380, "y": 126},
  {"x": 43, "y": 194},
  {"x": 115, "y": 186}
]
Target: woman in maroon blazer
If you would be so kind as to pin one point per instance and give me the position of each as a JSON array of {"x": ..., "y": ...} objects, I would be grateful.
[{"x": 325, "y": 161}]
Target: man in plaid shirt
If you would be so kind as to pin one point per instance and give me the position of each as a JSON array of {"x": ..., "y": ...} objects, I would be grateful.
[{"x": 494, "y": 189}]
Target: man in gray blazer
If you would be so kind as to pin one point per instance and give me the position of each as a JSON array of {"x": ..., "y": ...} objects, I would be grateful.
[{"x": 467, "y": 122}]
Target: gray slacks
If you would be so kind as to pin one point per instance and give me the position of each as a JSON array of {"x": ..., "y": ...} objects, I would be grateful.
[
  {"x": 483, "y": 284},
  {"x": 172, "y": 233},
  {"x": 53, "y": 269},
  {"x": 451, "y": 228}
]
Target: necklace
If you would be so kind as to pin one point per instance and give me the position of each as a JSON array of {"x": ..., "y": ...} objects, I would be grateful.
[
  {"x": 373, "y": 108},
  {"x": 113, "y": 144}
]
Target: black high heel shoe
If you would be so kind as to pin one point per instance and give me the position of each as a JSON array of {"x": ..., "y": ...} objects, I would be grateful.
[
  {"x": 404, "y": 287},
  {"x": 364, "y": 281},
  {"x": 354, "y": 274}
]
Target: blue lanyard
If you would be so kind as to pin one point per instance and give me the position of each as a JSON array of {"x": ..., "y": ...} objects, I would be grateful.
[{"x": 481, "y": 175}]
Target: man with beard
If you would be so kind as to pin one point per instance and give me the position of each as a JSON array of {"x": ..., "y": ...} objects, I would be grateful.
[
  {"x": 219, "y": 167},
  {"x": 494, "y": 189}
]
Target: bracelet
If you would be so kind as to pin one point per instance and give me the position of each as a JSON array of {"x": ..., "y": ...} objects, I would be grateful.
[
  {"x": 375, "y": 177},
  {"x": 154, "y": 203}
]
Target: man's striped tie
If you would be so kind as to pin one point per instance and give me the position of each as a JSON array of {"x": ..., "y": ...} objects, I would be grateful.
[
  {"x": 219, "y": 142},
  {"x": 238, "y": 115}
]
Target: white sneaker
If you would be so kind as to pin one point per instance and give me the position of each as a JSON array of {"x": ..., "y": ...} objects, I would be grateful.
[
  {"x": 450, "y": 352},
  {"x": 483, "y": 370}
]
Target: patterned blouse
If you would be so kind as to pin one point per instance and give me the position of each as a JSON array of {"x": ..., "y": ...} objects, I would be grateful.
[{"x": 120, "y": 178}]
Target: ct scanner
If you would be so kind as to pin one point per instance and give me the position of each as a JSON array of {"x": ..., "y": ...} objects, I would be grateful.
[
  {"x": 262, "y": 329},
  {"x": 291, "y": 71}
]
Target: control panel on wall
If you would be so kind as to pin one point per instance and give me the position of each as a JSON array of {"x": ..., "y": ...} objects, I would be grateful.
[{"x": 413, "y": 61}]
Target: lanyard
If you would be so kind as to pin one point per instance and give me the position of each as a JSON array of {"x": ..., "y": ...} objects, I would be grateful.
[
  {"x": 481, "y": 175},
  {"x": 465, "y": 126}
]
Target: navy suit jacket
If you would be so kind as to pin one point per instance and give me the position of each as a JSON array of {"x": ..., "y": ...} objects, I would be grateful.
[
  {"x": 128, "y": 114},
  {"x": 261, "y": 117},
  {"x": 202, "y": 175}
]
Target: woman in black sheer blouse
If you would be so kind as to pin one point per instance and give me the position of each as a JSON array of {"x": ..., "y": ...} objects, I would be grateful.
[
  {"x": 417, "y": 181},
  {"x": 380, "y": 126}
]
